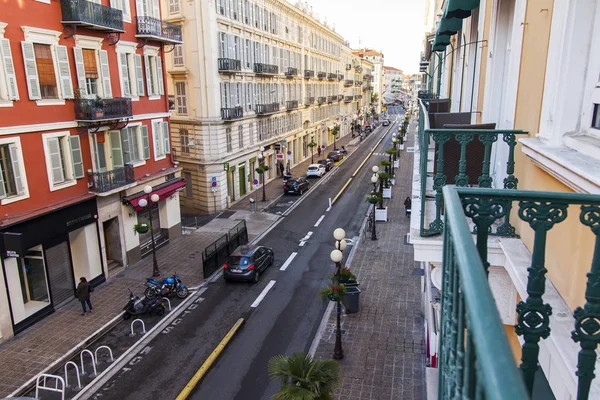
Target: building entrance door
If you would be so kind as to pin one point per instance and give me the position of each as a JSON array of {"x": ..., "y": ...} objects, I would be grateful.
[{"x": 243, "y": 178}]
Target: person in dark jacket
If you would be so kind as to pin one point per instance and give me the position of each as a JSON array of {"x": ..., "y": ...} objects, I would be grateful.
[
  {"x": 407, "y": 206},
  {"x": 83, "y": 294}
]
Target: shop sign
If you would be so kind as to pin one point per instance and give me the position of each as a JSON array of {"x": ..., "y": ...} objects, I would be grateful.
[
  {"x": 79, "y": 220},
  {"x": 226, "y": 167}
]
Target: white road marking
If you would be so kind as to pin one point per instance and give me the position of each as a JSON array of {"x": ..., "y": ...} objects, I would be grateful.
[
  {"x": 263, "y": 294},
  {"x": 328, "y": 208},
  {"x": 319, "y": 220},
  {"x": 309, "y": 234},
  {"x": 302, "y": 243},
  {"x": 305, "y": 239},
  {"x": 288, "y": 261}
]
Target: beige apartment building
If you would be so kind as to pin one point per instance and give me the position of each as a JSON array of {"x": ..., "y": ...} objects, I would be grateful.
[
  {"x": 251, "y": 75},
  {"x": 377, "y": 59}
]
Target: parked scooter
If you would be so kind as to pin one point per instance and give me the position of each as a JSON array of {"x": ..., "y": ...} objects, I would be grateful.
[
  {"x": 169, "y": 286},
  {"x": 136, "y": 307}
]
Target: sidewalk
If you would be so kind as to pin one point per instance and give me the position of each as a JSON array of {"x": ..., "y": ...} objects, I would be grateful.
[
  {"x": 274, "y": 188},
  {"x": 384, "y": 346},
  {"x": 32, "y": 351}
]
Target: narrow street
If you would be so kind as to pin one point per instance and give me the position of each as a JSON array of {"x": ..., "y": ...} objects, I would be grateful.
[{"x": 286, "y": 319}]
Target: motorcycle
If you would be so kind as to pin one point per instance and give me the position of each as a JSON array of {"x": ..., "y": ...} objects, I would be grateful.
[
  {"x": 136, "y": 307},
  {"x": 169, "y": 286}
]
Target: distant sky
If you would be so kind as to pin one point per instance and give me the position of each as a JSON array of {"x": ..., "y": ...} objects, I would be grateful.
[{"x": 395, "y": 27}]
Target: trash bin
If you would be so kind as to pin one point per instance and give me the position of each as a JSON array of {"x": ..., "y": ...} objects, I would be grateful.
[
  {"x": 351, "y": 299},
  {"x": 252, "y": 205}
]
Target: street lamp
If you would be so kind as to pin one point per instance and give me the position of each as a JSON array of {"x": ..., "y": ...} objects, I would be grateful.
[
  {"x": 143, "y": 203},
  {"x": 261, "y": 162},
  {"x": 374, "y": 180},
  {"x": 312, "y": 145},
  {"x": 336, "y": 256}
]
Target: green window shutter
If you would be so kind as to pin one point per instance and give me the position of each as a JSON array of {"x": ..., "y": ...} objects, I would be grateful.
[
  {"x": 148, "y": 76},
  {"x": 125, "y": 75},
  {"x": 76, "y": 157},
  {"x": 33, "y": 81},
  {"x": 139, "y": 75},
  {"x": 105, "y": 72},
  {"x": 145, "y": 142},
  {"x": 159, "y": 74},
  {"x": 165, "y": 132},
  {"x": 126, "y": 145},
  {"x": 56, "y": 163},
  {"x": 116, "y": 150}
]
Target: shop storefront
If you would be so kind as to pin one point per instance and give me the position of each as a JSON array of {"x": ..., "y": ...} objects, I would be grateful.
[{"x": 44, "y": 257}]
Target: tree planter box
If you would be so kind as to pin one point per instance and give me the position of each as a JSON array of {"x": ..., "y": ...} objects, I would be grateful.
[
  {"x": 401, "y": 147},
  {"x": 381, "y": 214},
  {"x": 387, "y": 193},
  {"x": 397, "y": 164}
]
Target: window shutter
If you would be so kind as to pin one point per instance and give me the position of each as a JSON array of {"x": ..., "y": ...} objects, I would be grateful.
[
  {"x": 230, "y": 47},
  {"x": 105, "y": 72},
  {"x": 139, "y": 75},
  {"x": 155, "y": 9},
  {"x": 80, "y": 69},
  {"x": 159, "y": 74},
  {"x": 2, "y": 187},
  {"x": 139, "y": 5},
  {"x": 145, "y": 142},
  {"x": 58, "y": 175},
  {"x": 124, "y": 75},
  {"x": 33, "y": 81},
  {"x": 64, "y": 72},
  {"x": 148, "y": 75},
  {"x": 156, "y": 139},
  {"x": 165, "y": 132},
  {"x": 76, "y": 157},
  {"x": 116, "y": 150},
  {"x": 224, "y": 95},
  {"x": 14, "y": 158},
  {"x": 126, "y": 145},
  {"x": 115, "y": 4},
  {"x": 9, "y": 69}
]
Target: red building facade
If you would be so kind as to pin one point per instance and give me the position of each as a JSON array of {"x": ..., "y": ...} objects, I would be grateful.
[{"x": 84, "y": 127}]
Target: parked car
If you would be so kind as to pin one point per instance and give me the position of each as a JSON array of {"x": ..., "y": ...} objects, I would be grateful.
[
  {"x": 246, "y": 263},
  {"x": 335, "y": 155},
  {"x": 327, "y": 163},
  {"x": 296, "y": 186},
  {"x": 315, "y": 170},
  {"x": 386, "y": 122}
]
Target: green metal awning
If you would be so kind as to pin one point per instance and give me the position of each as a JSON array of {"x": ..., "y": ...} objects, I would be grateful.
[
  {"x": 440, "y": 42},
  {"x": 449, "y": 26},
  {"x": 460, "y": 8}
]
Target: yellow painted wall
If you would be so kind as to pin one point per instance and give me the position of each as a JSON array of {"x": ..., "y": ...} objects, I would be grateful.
[
  {"x": 484, "y": 51},
  {"x": 569, "y": 247},
  {"x": 513, "y": 340}
]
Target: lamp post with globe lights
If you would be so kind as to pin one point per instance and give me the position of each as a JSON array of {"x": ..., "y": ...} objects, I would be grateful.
[
  {"x": 336, "y": 256},
  {"x": 374, "y": 180},
  {"x": 147, "y": 201}
]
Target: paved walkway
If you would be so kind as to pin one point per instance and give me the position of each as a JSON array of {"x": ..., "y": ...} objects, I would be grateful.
[
  {"x": 384, "y": 347},
  {"x": 32, "y": 351},
  {"x": 274, "y": 188}
]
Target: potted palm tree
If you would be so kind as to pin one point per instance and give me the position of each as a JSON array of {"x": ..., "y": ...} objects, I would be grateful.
[
  {"x": 303, "y": 378},
  {"x": 386, "y": 192},
  {"x": 380, "y": 210}
]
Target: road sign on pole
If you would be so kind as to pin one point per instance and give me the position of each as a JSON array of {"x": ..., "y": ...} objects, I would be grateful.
[
  {"x": 214, "y": 179},
  {"x": 214, "y": 189},
  {"x": 214, "y": 185}
]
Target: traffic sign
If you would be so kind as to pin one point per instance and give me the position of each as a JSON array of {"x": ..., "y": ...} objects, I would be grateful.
[
  {"x": 255, "y": 181},
  {"x": 255, "y": 186},
  {"x": 289, "y": 153},
  {"x": 214, "y": 184},
  {"x": 214, "y": 179},
  {"x": 214, "y": 189}
]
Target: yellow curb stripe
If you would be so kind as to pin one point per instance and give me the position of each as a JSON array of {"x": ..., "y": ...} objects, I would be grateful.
[
  {"x": 187, "y": 390},
  {"x": 341, "y": 191}
]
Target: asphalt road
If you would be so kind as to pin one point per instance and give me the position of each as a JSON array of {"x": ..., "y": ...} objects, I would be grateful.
[{"x": 285, "y": 321}]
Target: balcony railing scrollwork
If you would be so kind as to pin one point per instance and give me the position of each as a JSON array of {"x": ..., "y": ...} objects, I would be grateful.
[
  {"x": 159, "y": 30},
  {"x": 331, "y": 76},
  {"x": 309, "y": 100},
  {"x": 348, "y": 82},
  {"x": 91, "y": 15},
  {"x": 291, "y": 104},
  {"x": 321, "y": 75},
  {"x": 96, "y": 110},
  {"x": 265, "y": 109},
  {"x": 229, "y": 65},
  {"x": 229, "y": 114},
  {"x": 348, "y": 99},
  {"x": 309, "y": 74},
  {"x": 331, "y": 99},
  {"x": 321, "y": 100},
  {"x": 266, "y": 69},
  {"x": 291, "y": 72},
  {"x": 100, "y": 182}
]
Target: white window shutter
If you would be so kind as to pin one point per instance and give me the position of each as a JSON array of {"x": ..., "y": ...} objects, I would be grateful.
[
  {"x": 2, "y": 187},
  {"x": 145, "y": 142},
  {"x": 125, "y": 142},
  {"x": 80, "y": 69},
  {"x": 159, "y": 74},
  {"x": 76, "y": 157},
  {"x": 64, "y": 72},
  {"x": 139, "y": 6},
  {"x": 14, "y": 158},
  {"x": 139, "y": 75},
  {"x": 155, "y": 9},
  {"x": 9, "y": 69},
  {"x": 116, "y": 149},
  {"x": 156, "y": 138},
  {"x": 33, "y": 81},
  {"x": 165, "y": 132},
  {"x": 58, "y": 174},
  {"x": 124, "y": 75},
  {"x": 223, "y": 96},
  {"x": 115, "y": 4},
  {"x": 148, "y": 75},
  {"x": 105, "y": 73}
]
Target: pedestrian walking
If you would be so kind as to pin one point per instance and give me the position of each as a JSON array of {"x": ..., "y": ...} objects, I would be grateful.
[
  {"x": 407, "y": 206},
  {"x": 83, "y": 294},
  {"x": 281, "y": 168},
  {"x": 319, "y": 151}
]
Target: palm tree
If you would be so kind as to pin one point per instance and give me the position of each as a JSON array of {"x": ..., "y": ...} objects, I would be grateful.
[{"x": 303, "y": 378}]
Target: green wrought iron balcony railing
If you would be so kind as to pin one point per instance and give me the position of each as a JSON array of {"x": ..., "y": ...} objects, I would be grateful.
[
  {"x": 158, "y": 30},
  {"x": 460, "y": 157},
  {"x": 475, "y": 358},
  {"x": 91, "y": 15}
]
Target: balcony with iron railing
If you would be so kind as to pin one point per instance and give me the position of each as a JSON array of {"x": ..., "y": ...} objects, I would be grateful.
[
  {"x": 291, "y": 104},
  {"x": 321, "y": 100},
  {"x": 348, "y": 67},
  {"x": 309, "y": 74},
  {"x": 229, "y": 65},
  {"x": 367, "y": 88},
  {"x": 358, "y": 83},
  {"x": 91, "y": 15},
  {"x": 321, "y": 75},
  {"x": 309, "y": 101},
  {"x": 367, "y": 77},
  {"x": 291, "y": 72},
  {"x": 332, "y": 76},
  {"x": 101, "y": 182},
  {"x": 331, "y": 99},
  {"x": 266, "y": 109},
  {"x": 358, "y": 68},
  {"x": 266, "y": 69},
  {"x": 340, "y": 97},
  {"x": 97, "y": 110},
  {"x": 348, "y": 99},
  {"x": 231, "y": 113},
  {"x": 357, "y": 96},
  {"x": 475, "y": 358},
  {"x": 348, "y": 82},
  {"x": 158, "y": 30}
]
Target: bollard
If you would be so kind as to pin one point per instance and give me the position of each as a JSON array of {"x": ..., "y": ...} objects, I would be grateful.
[
  {"x": 143, "y": 326},
  {"x": 168, "y": 302},
  {"x": 51, "y": 389},
  {"x": 109, "y": 353},
  {"x": 252, "y": 205},
  {"x": 86, "y": 351},
  {"x": 76, "y": 373}
]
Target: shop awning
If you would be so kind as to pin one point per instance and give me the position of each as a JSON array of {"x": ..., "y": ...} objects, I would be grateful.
[
  {"x": 440, "y": 42},
  {"x": 451, "y": 22},
  {"x": 449, "y": 26},
  {"x": 163, "y": 191},
  {"x": 460, "y": 8}
]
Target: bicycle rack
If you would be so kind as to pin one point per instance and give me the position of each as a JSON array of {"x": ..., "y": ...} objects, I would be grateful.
[
  {"x": 86, "y": 351},
  {"x": 109, "y": 353},
  {"x": 168, "y": 302},
  {"x": 55, "y": 389},
  {"x": 133, "y": 324},
  {"x": 76, "y": 373}
]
